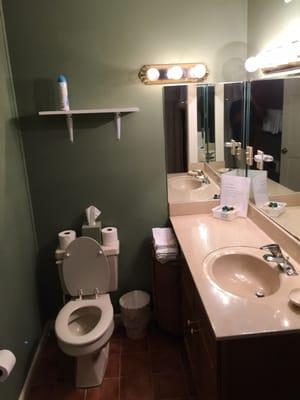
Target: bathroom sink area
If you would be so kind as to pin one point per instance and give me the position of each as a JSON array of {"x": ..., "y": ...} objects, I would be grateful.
[
  {"x": 185, "y": 188},
  {"x": 242, "y": 272}
]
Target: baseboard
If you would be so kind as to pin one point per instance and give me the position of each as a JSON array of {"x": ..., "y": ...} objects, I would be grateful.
[{"x": 48, "y": 326}]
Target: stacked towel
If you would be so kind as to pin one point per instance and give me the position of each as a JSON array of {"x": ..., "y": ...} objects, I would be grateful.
[
  {"x": 165, "y": 244},
  {"x": 273, "y": 121}
]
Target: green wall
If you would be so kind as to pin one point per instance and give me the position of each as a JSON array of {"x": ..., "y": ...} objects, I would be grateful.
[
  {"x": 100, "y": 46},
  {"x": 19, "y": 325}
]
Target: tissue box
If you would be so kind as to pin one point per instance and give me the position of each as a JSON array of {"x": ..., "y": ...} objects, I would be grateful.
[
  {"x": 92, "y": 231},
  {"x": 274, "y": 211},
  {"x": 219, "y": 212}
]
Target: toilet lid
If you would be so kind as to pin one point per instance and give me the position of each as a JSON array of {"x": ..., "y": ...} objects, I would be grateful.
[{"x": 85, "y": 267}]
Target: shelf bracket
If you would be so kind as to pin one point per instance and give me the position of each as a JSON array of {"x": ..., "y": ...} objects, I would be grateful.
[
  {"x": 113, "y": 112},
  {"x": 69, "y": 120},
  {"x": 118, "y": 124}
]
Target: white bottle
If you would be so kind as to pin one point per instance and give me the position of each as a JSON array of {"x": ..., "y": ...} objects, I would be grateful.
[{"x": 63, "y": 93}]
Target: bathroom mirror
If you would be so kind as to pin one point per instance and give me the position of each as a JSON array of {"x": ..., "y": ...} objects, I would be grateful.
[
  {"x": 274, "y": 122},
  {"x": 190, "y": 140},
  {"x": 200, "y": 124},
  {"x": 189, "y": 125}
]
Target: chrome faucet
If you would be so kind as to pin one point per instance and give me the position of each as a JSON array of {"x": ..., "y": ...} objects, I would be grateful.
[
  {"x": 199, "y": 175},
  {"x": 277, "y": 257}
]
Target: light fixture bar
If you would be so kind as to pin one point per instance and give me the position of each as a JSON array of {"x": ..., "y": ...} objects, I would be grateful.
[{"x": 166, "y": 74}]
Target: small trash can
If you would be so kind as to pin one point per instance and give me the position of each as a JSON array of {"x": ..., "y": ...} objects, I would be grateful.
[{"x": 135, "y": 313}]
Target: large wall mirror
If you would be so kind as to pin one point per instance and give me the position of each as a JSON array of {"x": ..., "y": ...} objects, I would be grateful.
[
  {"x": 274, "y": 123},
  {"x": 215, "y": 122}
]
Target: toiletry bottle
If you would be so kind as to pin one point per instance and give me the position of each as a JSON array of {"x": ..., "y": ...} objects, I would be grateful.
[{"x": 63, "y": 93}]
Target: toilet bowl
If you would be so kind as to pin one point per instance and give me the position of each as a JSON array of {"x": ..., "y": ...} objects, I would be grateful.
[{"x": 85, "y": 324}]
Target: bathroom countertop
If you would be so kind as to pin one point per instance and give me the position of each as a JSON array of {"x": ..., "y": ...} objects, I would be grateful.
[{"x": 230, "y": 315}]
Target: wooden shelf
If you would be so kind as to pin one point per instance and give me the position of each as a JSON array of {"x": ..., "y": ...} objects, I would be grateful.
[{"x": 69, "y": 116}]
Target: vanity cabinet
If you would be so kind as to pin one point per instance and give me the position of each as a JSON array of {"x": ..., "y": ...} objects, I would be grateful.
[
  {"x": 199, "y": 340},
  {"x": 260, "y": 367}
]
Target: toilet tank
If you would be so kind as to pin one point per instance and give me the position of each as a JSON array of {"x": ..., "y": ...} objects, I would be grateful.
[{"x": 112, "y": 254}]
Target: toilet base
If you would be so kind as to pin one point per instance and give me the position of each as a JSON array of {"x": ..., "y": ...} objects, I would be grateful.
[{"x": 90, "y": 369}]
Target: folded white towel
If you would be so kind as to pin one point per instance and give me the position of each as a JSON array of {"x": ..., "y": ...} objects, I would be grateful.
[
  {"x": 167, "y": 250},
  {"x": 165, "y": 244},
  {"x": 163, "y": 237}
]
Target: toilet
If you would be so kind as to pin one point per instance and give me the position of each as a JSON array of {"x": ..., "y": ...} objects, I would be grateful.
[{"x": 88, "y": 272}]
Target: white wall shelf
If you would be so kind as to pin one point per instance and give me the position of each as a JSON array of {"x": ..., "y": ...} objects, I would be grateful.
[{"x": 69, "y": 116}]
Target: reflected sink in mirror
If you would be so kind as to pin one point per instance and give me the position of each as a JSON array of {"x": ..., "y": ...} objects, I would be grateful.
[
  {"x": 185, "y": 183},
  {"x": 185, "y": 188},
  {"x": 242, "y": 272}
]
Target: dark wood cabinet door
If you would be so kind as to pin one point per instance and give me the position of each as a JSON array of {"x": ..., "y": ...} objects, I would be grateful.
[{"x": 196, "y": 343}]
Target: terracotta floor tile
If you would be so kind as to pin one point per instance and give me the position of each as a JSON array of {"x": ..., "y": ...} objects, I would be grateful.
[
  {"x": 45, "y": 372},
  {"x": 66, "y": 369},
  {"x": 115, "y": 345},
  {"x": 134, "y": 346},
  {"x": 42, "y": 392},
  {"x": 166, "y": 361},
  {"x": 160, "y": 341},
  {"x": 50, "y": 348},
  {"x": 137, "y": 387},
  {"x": 149, "y": 368},
  {"x": 168, "y": 386},
  {"x": 119, "y": 331},
  {"x": 109, "y": 390},
  {"x": 65, "y": 391},
  {"x": 113, "y": 366},
  {"x": 135, "y": 364}
]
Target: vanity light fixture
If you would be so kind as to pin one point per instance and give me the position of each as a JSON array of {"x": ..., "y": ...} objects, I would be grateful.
[
  {"x": 284, "y": 59},
  {"x": 164, "y": 74}
]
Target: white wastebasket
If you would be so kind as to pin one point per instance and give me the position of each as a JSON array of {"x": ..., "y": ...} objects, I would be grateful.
[{"x": 135, "y": 313}]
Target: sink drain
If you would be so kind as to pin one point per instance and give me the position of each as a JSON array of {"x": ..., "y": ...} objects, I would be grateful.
[{"x": 260, "y": 293}]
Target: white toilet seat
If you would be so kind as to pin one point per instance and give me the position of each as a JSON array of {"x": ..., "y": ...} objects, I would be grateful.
[{"x": 62, "y": 323}]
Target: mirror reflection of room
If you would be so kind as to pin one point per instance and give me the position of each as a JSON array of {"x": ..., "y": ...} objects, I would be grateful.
[{"x": 274, "y": 122}]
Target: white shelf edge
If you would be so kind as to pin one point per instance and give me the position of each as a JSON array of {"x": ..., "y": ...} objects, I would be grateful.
[
  {"x": 91, "y": 111},
  {"x": 69, "y": 113}
]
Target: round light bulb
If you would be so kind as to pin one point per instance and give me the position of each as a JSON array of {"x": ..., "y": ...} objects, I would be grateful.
[
  {"x": 198, "y": 71},
  {"x": 251, "y": 64},
  {"x": 153, "y": 74},
  {"x": 175, "y": 72}
]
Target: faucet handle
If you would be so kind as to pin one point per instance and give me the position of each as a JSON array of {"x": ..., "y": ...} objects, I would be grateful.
[
  {"x": 198, "y": 171},
  {"x": 274, "y": 248}
]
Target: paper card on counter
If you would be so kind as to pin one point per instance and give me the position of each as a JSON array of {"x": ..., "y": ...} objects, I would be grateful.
[
  {"x": 235, "y": 192},
  {"x": 260, "y": 189}
]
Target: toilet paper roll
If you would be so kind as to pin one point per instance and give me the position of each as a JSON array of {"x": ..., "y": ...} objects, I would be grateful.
[
  {"x": 109, "y": 235},
  {"x": 65, "y": 238},
  {"x": 7, "y": 362}
]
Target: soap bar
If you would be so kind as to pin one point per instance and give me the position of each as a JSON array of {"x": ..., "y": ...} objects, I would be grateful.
[{"x": 92, "y": 231}]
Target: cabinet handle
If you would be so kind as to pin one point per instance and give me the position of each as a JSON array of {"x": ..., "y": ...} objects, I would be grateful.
[{"x": 193, "y": 331}]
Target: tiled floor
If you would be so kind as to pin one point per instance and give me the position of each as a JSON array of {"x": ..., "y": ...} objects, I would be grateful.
[{"x": 153, "y": 368}]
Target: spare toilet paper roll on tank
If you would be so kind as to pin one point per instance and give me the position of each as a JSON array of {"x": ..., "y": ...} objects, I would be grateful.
[
  {"x": 65, "y": 238},
  {"x": 109, "y": 236},
  {"x": 7, "y": 362}
]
